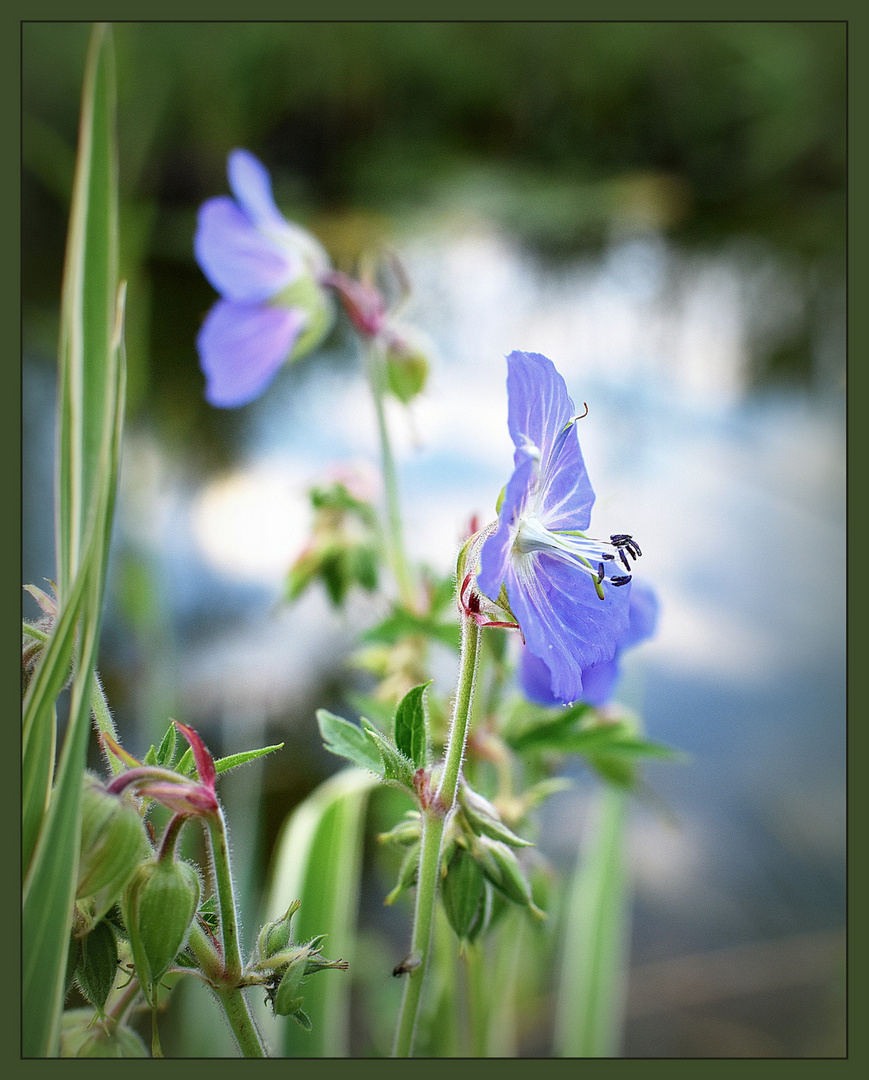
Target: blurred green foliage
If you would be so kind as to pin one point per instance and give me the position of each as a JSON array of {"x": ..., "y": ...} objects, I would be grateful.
[{"x": 563, "y": 132}]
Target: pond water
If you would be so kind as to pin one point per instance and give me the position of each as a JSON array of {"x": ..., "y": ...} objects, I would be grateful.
[{"x": 737, "y": 496}]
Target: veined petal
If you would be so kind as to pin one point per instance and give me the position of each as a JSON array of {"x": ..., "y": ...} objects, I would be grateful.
[
  {"x": 495, "y": 553},
  {"x": 252, "y": 186},
  {"x": 541, "y": 413},
  {"x": 241, "y": 347},
  {"x": 563, "y": 620},
  {"x": 241, "y": 262}
]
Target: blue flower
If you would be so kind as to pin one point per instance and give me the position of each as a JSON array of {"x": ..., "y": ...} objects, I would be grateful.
[
  {"x": 269, "y": 274},
  {"x": 569, "y": 593},
  {"x": 598, "y": 680}
]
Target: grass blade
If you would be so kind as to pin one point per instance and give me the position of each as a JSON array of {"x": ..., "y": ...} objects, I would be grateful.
[
  {"x": 318, "y": 863},
  {"x": 90, "y": 420},
  {"x": 589, "y": 1006}
]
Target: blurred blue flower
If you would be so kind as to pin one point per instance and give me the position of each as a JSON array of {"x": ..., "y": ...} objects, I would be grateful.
[
  {"x": 598, "y": 680},
  {"x": 569, "y": 593},
  {"x": 270, "y": 274}
]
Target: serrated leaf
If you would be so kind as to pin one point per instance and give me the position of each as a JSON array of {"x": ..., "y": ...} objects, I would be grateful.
[
  {"x": 349, "y": 741},
  {"x": 411, "y": 730}
]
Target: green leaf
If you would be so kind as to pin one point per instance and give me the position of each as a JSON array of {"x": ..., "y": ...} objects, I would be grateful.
[
  {"x": 411, "y": 733},
  {"x": 403, "y": 623},
  {"x": 348, "y": 741}
]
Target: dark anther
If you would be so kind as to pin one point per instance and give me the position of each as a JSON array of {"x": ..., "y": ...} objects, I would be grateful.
[
  {"x": 624, "y": 559},
  {"x": 621, "y": 579},
  {"x": 607, "y": 555},
  {"x": 623, "y": 540},
  {"x": 600, "y": 573}
]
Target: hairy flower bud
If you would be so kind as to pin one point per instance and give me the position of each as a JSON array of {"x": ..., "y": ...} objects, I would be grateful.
[
  {"x": 113, "y": 843},
  {"x": 158, "y": 907},
  {"x": 500, "y": 865},
  {"x": 275, "y": 936},
  {"x": 464, "y": 895}
]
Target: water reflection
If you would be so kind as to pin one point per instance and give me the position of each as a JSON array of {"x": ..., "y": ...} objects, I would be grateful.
[{"x": 736, "y": 495}]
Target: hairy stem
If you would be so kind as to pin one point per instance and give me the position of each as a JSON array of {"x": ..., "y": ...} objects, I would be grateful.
[
  {"x": 434, "y": 822},
  {"x": 394, "y": 536}
]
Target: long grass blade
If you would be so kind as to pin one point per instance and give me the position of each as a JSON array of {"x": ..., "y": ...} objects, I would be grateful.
[
  {"x": 318, "y": 863},
  {"x": 90, "y": 421},
  {"x": 591, "y": 992}
]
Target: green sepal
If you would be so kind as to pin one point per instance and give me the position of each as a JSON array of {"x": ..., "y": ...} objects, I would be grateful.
[
  {"x": 484, "y": 819},
  {"x": 302, "y": 1019},
  {"x": 287, "y": 998},
  {"x": 98, "y": 964},
  {"x": 463, "y": 893},
  {"x": 501, "y": 867},
  {"x": 187, "y": 766},
  {"x": 407, "y": 873}
]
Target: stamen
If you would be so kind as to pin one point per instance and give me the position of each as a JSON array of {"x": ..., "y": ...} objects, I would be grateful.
[
  {"x": 622, "y": 579},
  {"x": 624, "y": 559}
]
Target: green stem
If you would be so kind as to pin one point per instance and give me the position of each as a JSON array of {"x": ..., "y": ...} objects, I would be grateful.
[
  {"x": 102, "y": 715},
  {"x": 227, "y": 910},
  {"x": 394, "y": 538},
  {"x": 224, "y": 972},
  {"x": 241, "y": 1020},
  {"x": 434, "y": 822}
]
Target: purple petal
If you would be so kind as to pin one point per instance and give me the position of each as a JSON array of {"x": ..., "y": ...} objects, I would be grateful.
[
  {"x": 252, "y": 186},
  {"x": 495, "y": 553},
  {"x": 239, "y": 261},
  {"x": 539, "y": 411},
  {"x": 642, "y": 614},
  {"x": 241, "y": 347},
  {"x": 563, "y": 620}
]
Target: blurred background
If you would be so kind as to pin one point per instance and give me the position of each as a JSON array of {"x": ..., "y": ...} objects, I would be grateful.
[{"x": 659, "y": 208}]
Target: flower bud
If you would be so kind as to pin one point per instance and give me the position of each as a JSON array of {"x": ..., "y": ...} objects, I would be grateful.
[
  {"x": 276, "y": 936},
  {"x": 158, "y": 907},
  {"x": 406, "y": 365},
  {"x": 500, "y": 865},
  {"x": 287, "y": 998},
  {"x": 113, "y": 844},
  {"x": 463, "y": 893},
  {"x": 485, "y": 820},
  {"x": 81, "y": 1037}
]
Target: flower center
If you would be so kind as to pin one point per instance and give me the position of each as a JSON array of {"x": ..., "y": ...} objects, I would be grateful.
[{"x": 585, "y": 552}]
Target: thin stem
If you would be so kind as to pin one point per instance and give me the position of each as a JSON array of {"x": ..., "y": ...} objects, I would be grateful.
[
  {"x": 458, "y": 737},
  {"x": 394, "y": 536},
  {"x": 225, "y": 986},
  {"x": 227, "y": 911},
  {"x": 241, "y": 1020},
  {"x": 434, "y": 822},
  {"x": 102, "y": 715}
]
